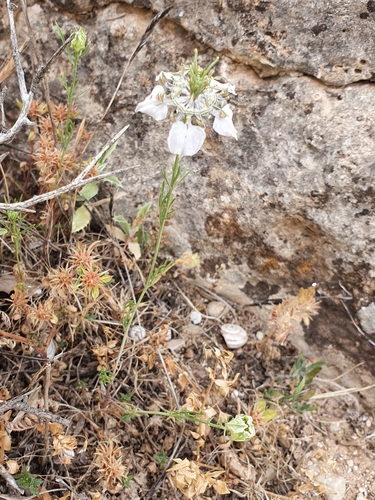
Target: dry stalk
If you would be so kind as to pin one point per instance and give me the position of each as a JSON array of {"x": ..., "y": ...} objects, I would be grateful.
[
  {"x": 26, "y": 97},
  {"x": 78, "y": 182}
]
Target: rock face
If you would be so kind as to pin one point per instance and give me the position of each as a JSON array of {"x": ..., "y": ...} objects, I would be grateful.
[{"x": 291, "y": 202}]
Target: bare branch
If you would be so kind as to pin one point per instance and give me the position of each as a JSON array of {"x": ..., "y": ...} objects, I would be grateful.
[
  {"x": 3, "y": 121},
  {"x": 16, "y": 54},
  {"x": 39, "y": 63},
  {"x": 78, "y": 182},
  {"x": 10, "y": 480},
  {"x": 26, "y": 98}
]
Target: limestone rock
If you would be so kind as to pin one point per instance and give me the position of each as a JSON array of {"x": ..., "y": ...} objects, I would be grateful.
[
  {"x": 335, "y": 486},
  {"x": 291, "y": 202}
]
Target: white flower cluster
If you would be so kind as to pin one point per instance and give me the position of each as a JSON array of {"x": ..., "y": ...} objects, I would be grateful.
[{"x": 194, "y": 96}]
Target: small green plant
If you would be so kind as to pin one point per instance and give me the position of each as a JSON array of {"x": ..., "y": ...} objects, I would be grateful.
[
  {"x": 78, "y": 48},
  {"x": 82, "y": 384},
  {"x": 301, "y": 375},
  {"x": 136, "y": 228},
  {"x": 125, "y": 480},
  {"x": 125, "y": 398},
  {"x": 161, "y": 458},
  {"x": 166, "y": 212},
  {"x": 13, "y": 223},
  {"x": 239, "y": 428},
  {"x": 28, "y": 481},
  {"x": 106, "y": 377}
]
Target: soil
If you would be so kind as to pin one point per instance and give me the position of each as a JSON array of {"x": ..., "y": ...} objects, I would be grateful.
[{"x": 288, "y": 458}]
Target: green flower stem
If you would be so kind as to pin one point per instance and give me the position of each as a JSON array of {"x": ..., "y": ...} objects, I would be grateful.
[
  {"x": 166, "y": 212},
  {"x": 69, "y": 128},
  {"x": 185, "y": 415}
]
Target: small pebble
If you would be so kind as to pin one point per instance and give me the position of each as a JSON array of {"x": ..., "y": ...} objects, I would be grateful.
[
  {"x": 260, "y": 335},
  {"x": 176, "y": 344},
  {"x": 137, "y": 333},
  {"x": 195, "y": 317}
]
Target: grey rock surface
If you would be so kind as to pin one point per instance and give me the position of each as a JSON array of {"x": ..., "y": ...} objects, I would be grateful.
[
  {"x": 291, "y": 202},
  {"x": 330, "y": 40},
  {"x": 366, "y": 317}
]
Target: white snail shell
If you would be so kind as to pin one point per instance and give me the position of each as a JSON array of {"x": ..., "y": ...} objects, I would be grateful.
[
  {"x": 137, "y": 333},
  {"x": 195, "y": 317},
  {"x": 216, "y": 308},
  {"x": 234, "y": 335}
]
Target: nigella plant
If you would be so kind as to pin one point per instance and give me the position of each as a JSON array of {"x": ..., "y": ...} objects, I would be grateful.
[{"x": 194, "y": 96}]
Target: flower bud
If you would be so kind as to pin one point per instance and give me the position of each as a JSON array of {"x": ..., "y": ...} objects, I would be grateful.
[
  {"x": 78, "y": 44},
  {"x": 240, "y": 428}
]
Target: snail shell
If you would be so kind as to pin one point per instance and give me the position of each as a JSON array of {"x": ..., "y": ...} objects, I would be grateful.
[
  {"x": 195, "y": 317},
  {"x": 216, "y": 309},
  {"x": 137, "y": 333},
  {"x": 234, "y": 335}
]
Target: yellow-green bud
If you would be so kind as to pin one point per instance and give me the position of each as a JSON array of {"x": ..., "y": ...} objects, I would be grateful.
[
  {"x": 240, "y": 428},
  {"x": 78, "y": 44}
]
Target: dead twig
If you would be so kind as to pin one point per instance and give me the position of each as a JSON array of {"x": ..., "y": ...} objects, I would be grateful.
[
  {"x": 10, "y": 480},
  {"x": 18, "y": 403},
  {"x": 78, "y": 182},
  {"x": 26, "y": 97}
]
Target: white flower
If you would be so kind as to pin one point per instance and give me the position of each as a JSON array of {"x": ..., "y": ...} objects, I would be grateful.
[
  {"x": 154, "y": 104},
  {"x": 194, "y": 96},
  {"x": 185, "y": 139},
  {"x": 223, "y": 124}
]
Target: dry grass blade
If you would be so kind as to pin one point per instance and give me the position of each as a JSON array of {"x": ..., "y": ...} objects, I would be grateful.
[
  {"x": 8, "y": 67},
  {"x": 147, "y": 33}
]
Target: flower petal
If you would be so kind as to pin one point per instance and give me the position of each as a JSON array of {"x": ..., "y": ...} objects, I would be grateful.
[
  {"x": 185, "y": 139},
  {"x": 154, "y": 104},
  {"x": 222, "y": 86},
  {"x": 224, "y": 125}
]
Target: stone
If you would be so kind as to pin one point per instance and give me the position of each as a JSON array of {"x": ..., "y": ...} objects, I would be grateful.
[
  {"x": 335, "y": 486},
  {"x": 366, "y": 317}
]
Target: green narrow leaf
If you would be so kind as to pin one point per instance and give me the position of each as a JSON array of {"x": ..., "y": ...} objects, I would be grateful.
[
  {"x": 114, "y": 180},
  {"x": 107, "y": 153},
  {"x": 123, "y": 223},
  {"x": 144, "y": 210},
  {"x": 89, "y": 191},
  {"x": 3, "y": 231},
  {"x": 299, "y": 388},
  {"x": 81, "y": 218}
]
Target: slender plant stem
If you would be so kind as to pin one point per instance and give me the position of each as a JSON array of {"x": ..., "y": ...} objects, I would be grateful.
[
  {"x": 178, "y": 415},
  {"x": 166, "y": 201}
]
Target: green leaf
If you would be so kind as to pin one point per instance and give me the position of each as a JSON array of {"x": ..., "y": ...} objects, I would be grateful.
[
  {"x": 123, "y": 223},
  {"x": 3, "y": 231},
  {"x": 144, "y": 210},
  {"x": 89, "y": 191},
  {"x": 114, "y": 180},
  {"x": 107, "y": 154},
  {"x": 299, "y": 388},
  {"x": 306, "y": 396},
  {"x": 81, "y": 218},
  {"x": 270, "y": 393},
  {"x": 269, "y": 414}
]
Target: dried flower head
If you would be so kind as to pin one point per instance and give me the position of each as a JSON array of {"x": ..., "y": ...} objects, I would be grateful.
[
  {"x": 37, "y": 109},
  {"x": 45, "y": 125},
  {"x": 82, "y": 256},
  {"x": 61, "y": 282},
  {"x": 42, "y": 315},
  {"x": 111, "y": 469},
  {"x": 59, "y": 112},
  {"x": 63, "y": 447},
  {"x": 19, "y": 306},
  {"x": 286, "y": 316},
  {"x": 192, "y": 482}
]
